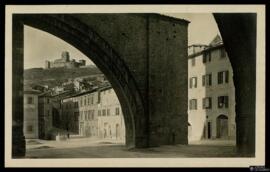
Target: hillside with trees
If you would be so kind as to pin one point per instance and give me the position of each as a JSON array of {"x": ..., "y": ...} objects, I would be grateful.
[{"x": 56, "y": 76}]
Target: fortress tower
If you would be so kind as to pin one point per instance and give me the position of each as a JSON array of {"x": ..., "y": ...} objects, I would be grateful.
[
  {"x": 64, "y": 61},
  {"x": 47, "y": 64},
  {"x": 65, "y": 56}
]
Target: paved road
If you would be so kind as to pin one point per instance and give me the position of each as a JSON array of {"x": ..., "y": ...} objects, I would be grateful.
[{"x": 93, "y": 148}]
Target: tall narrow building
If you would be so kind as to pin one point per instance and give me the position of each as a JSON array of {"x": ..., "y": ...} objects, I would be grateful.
[{"x": 211, "y": 112}]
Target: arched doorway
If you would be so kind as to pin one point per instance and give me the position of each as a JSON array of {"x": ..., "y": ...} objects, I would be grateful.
[{"x": 222, "y": 127}]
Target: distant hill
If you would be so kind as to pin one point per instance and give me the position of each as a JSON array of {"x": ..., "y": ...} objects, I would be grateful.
[{"x": 55, "y": 76}]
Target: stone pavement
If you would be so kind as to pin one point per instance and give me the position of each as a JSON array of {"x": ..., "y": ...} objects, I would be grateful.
[{"x": 94, "y": 148}]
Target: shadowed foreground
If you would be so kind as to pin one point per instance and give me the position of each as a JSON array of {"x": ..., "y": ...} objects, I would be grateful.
[{"x": 83, "y": 148}]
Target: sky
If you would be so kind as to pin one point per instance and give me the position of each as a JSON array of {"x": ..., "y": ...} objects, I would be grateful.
[{"x": 40, "y": 46}]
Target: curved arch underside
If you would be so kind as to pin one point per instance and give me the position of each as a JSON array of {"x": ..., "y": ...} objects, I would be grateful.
[{"x": 102, "y": 54}]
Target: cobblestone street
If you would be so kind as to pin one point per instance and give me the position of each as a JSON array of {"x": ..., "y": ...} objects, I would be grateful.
[{"x": 93, "y": 148}]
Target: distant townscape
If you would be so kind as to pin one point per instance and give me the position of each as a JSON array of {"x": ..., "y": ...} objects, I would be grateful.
[{"x": 81, "y": 103}]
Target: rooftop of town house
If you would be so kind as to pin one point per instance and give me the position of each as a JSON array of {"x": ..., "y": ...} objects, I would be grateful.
[
  {"x": 216, "y": 41},
  {"x": 61, "y": 93},
  {"x": 101, "y": 88},
  {"x": 46, "y": 94},
  {"x": 29, "y": 90},
  {"x": 107, "y": 87},
  {"x": 80, "y": 94},
  {"x": 198, "y": 45},
  {"x": 214, "y": 44}
]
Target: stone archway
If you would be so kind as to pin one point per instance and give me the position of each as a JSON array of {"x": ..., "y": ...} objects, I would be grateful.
[
  {"x": 99, "y": 51},
  {"x": 239, "y": 33},
  {"x": 139, "y": 53}
]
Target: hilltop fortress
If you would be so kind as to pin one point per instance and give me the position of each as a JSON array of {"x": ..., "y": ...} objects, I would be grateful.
[{"x": 64, "y": 61}]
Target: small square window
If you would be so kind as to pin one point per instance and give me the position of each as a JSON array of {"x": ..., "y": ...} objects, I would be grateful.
[
  {"x": 207, "y": 103},
  {"x": 193, "y": 104},
  {"x": 193, "y": 61},
  {"x": 193, "y": 82},
  {"x": 223, "y": 101},
  {"x": 117, "y": 111},
  {"x": 30, "y": 100},
  {"x": 29, "y": 128}
]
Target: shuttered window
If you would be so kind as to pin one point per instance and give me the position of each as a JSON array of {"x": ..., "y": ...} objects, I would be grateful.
[
  {"x": 223, "y": 102},
  {"x": 223, "y": 77},
  {"x": 207, "y": 103},
  {"x": 193, "y": 82},
  {"x": 193, "y": 104},
  {"x": 207, "y": 80}
]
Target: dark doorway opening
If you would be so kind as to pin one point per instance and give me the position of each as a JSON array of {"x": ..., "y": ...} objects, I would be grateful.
[
  {"x": 209, "y": 130},
  {"x": 222, "y": 126}
]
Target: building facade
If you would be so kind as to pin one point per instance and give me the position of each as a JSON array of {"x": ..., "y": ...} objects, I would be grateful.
[
  {"x": 45, "y": 112},
  {"x": 64, "y": 61},
  {"x": 111, "y": 123},
  {"x": 211, "y": 113},
  {"x": 96, "y": 113},
  {"x": 69, "y": 115},
  {"x": 30, "y": 124},
  {"x": 88, "y": 102}
]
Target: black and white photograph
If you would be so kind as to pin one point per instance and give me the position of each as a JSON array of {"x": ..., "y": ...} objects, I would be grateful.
[{"x": 134, "y": 85}]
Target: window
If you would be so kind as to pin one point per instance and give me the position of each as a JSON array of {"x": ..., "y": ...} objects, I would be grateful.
[
  {"x": 86, "y": 115},
  {"x": 88, "y": 101},
  {"x": 76, "y": 105},
  {"x": 193, "y": 82},
  {"x": 207, "y": 80},
  {"x": 99, "y": 112},
  {"x": 193, "y": 104},
  {"x": 222, "y": 53},
  {"x": 193, "y": 61},
  {"x": 117, "y": 111},
  {"x": 48, "y": 100},
  {"x": 93, "y": 114},
  {"x": 207, "y": 103},
  {"x": 29, "y": 128},
  {"x": 81, "y": 102},
  {"x": 108, "y": 112},
  {"x": 223, "y": 77},
  {"x": 104, "y": 112},
  {"x": 92, "y": 100},
  {"x": 30, "y": 100},
  {"x": 84, "y": 101},
  {"x": 223, "y": 101},
  {"x": 81, "y": 115},
  {"x": 89, "y": 115},
  {"x": 207, "y": 57},
  {"x": 76, "y": 116}
]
